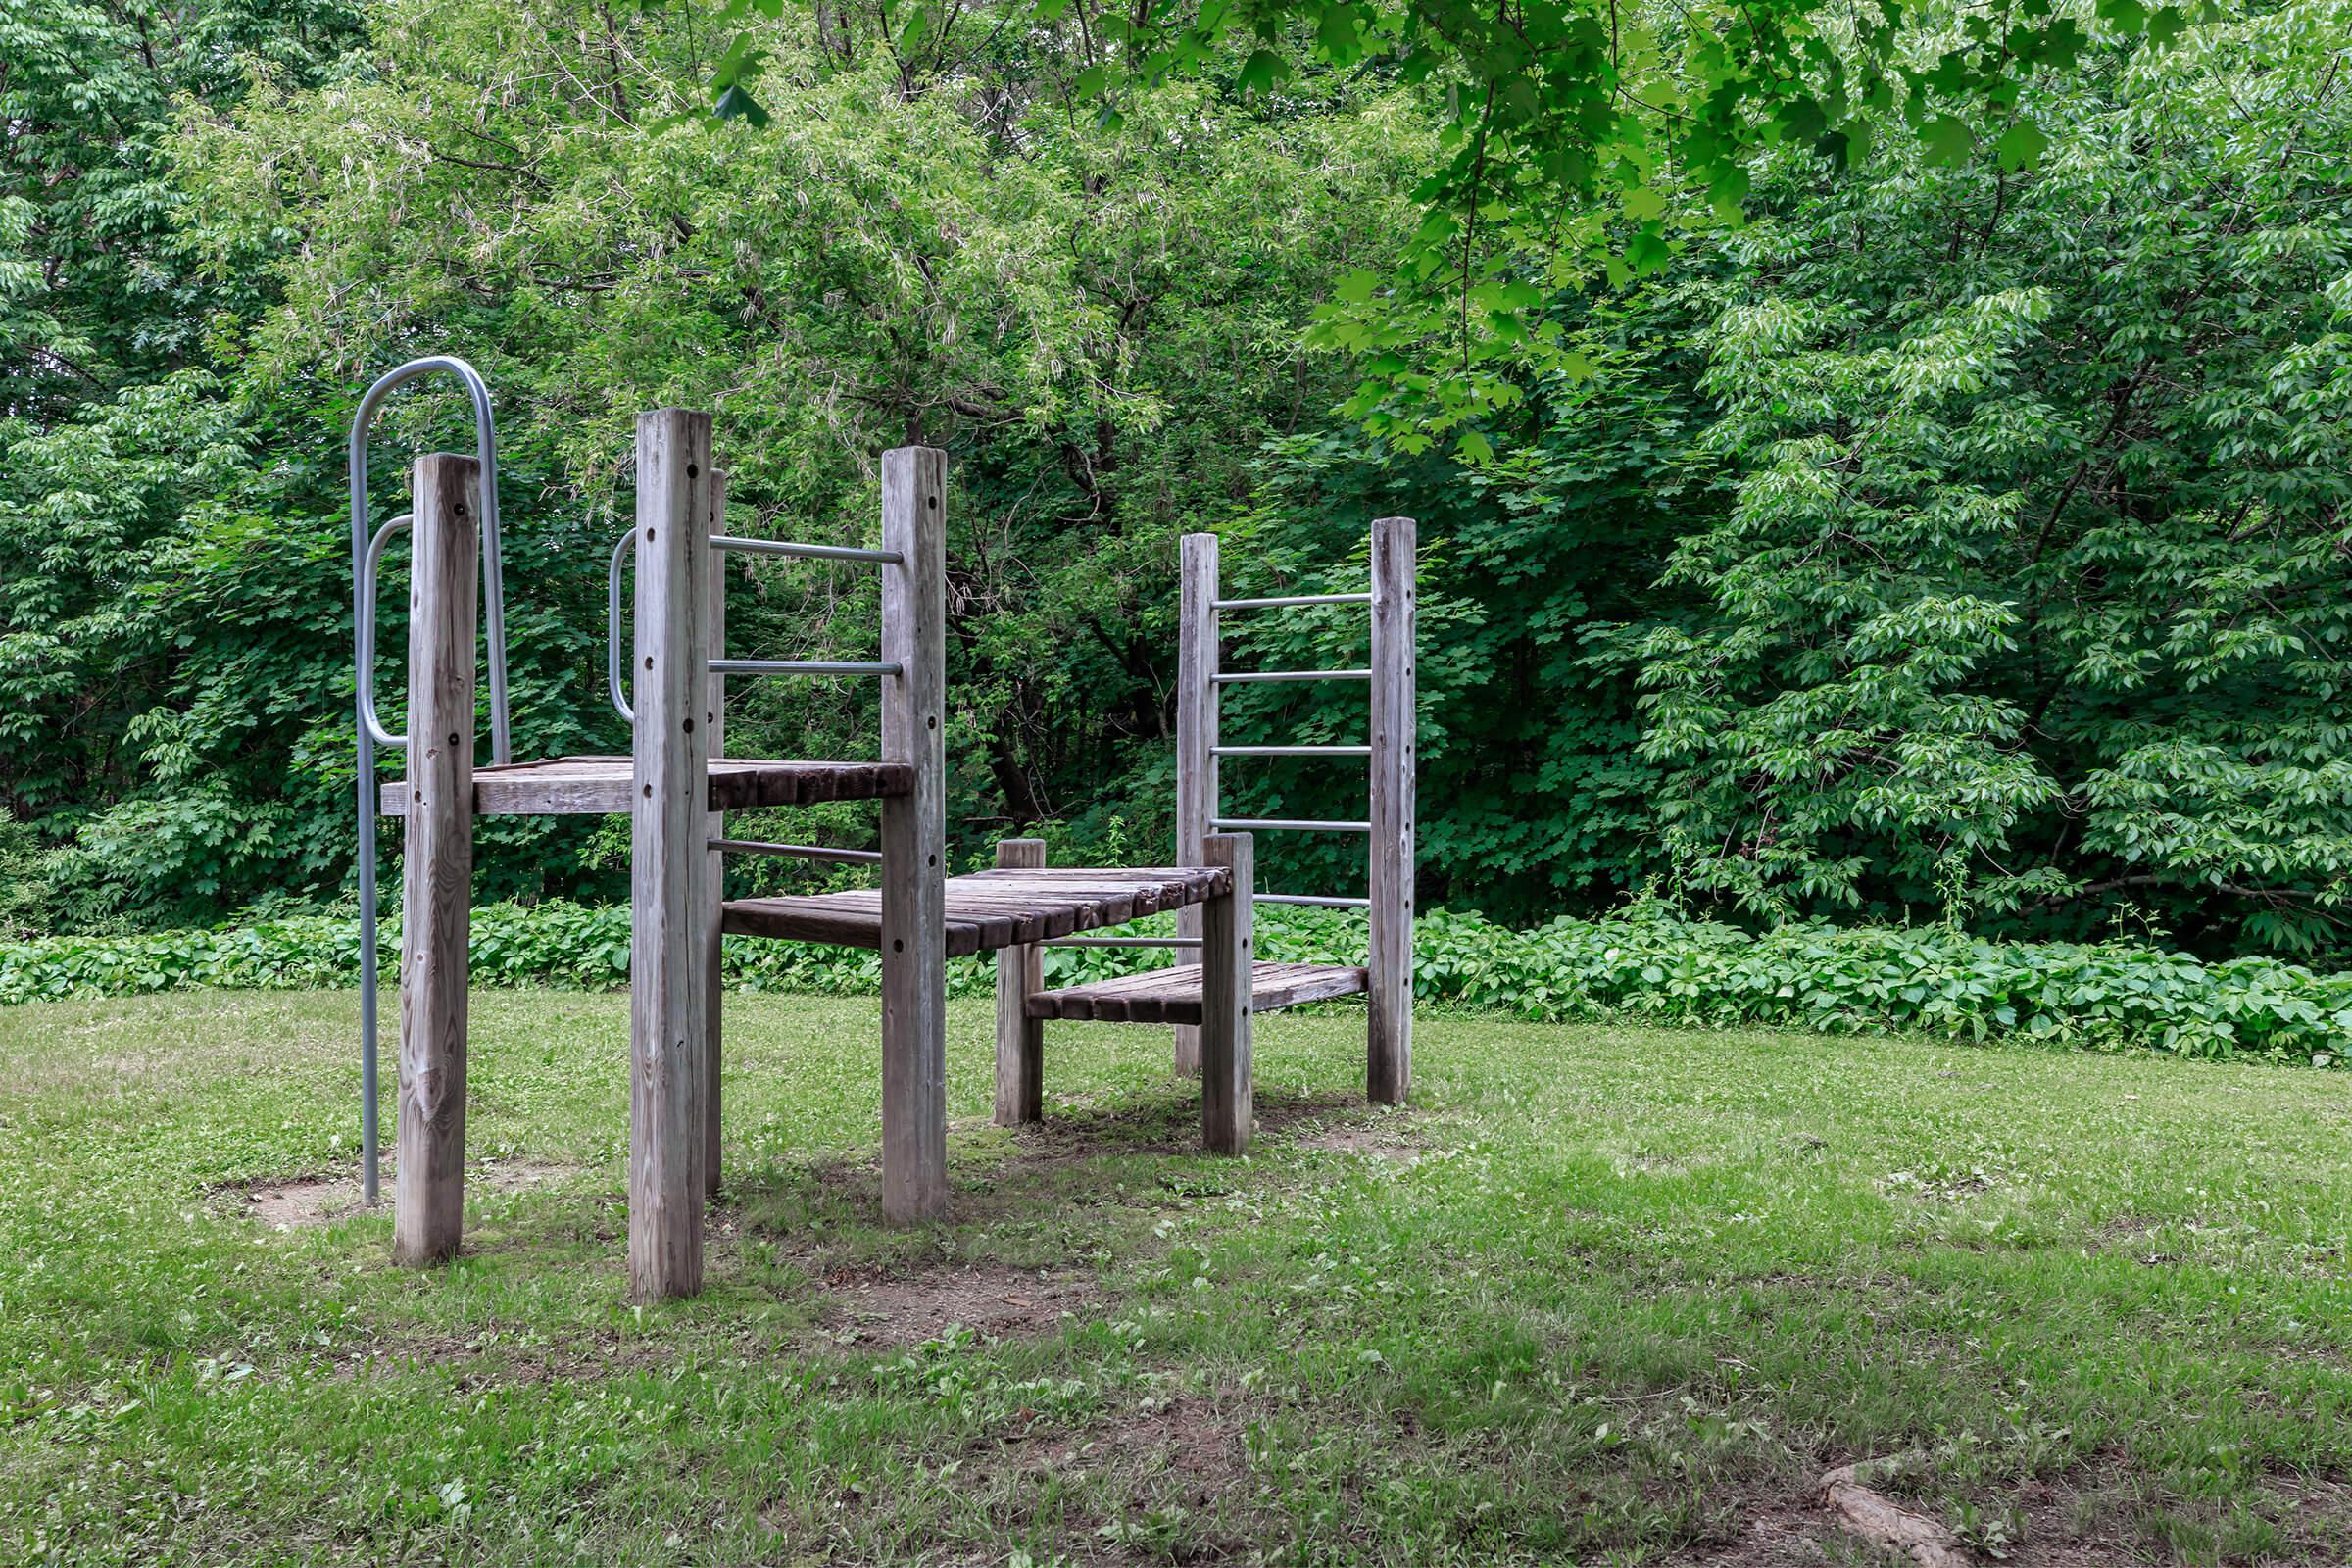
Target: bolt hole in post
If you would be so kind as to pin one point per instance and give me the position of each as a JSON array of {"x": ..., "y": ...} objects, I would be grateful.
[{"x": 363, "y": 555}]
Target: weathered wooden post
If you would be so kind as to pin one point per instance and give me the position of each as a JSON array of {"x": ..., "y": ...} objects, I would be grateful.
[
  {"x": 715, "y": 867},
  {"x": 1196, "y": 736},
  {"x": 1227, "y": 956},
  {"x": 914, "y": 1028},
  {"x": 669, "y": 832},
  {"x": 437, "y": 870},
  {"x": 1020, "y": 1039},
  {"x": 1389, "y": 1046}
]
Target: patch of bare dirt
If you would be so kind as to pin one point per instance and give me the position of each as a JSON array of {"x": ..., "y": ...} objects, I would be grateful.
[
  {"x": 309, "y": 1201},
  {"x": 1784, "y": 1536},
  {"x": 1188, "y": 1443},
  {"x": 1184, "y": 1451},
  {"x": 1368, "y": 1143},
  {"x": 879, "y": 1306},
  {"x": 1367, "y": 1132},
  {"x": 1079, "y": 1128}
]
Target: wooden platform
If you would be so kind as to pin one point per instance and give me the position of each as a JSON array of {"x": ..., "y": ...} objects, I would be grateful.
[
  {"x": 1173, "y": 996},
  {"x": 989, "y": 909},
  {"x": 589, "y": 786}
]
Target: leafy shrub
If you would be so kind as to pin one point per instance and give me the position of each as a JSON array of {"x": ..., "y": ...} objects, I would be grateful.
[
  {"x": 23, "y": 890},
  {"x": 1647, "y": 963}
]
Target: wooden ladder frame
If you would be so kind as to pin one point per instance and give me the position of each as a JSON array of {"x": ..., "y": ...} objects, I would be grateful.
[
  {"x": 677, "y": 843},
  {"x": 1392, "y": 760},
  {"x": 1219, "y": 1048},
  {"x": 677, "y": 864}
]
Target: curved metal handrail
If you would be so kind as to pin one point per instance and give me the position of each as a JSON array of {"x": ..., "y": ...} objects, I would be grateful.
[
  {"x": 613, "y": 681},
  {"x": 502, "y": 747},
  {"x": 370, "y": 576},
  {"x": 367, "y": 552}
]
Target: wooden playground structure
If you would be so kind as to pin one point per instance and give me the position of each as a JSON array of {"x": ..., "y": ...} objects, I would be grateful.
[{"x": 680, "y": 782}]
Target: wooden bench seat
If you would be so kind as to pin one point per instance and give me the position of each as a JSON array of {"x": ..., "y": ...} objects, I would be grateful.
[
  {"x": 1003, "y": 908},
  {"x": 1173, "y": 996},
  {"x": 590, "y": 786}
]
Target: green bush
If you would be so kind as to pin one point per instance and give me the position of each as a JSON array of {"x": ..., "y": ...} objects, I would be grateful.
[{"x": 1647, "y": 963}]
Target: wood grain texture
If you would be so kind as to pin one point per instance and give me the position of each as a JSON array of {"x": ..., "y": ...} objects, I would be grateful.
[
  {"x": 589, "y": 786},
  {"x": 1196, "y": 735},
  {"x": 1228, "y": 940},
  {"x": 667, "y": 1044},
  {"x": 1388, "y": 1031},
  {"x": 1174, "y": 995},
  {"x": 989, "y": 910},
  {"x": 715, "y": 867},
  {"x": 1020, "y": 1035},
  {"x": 437, "y": 871},
  {"x": 912, "y": 913}
]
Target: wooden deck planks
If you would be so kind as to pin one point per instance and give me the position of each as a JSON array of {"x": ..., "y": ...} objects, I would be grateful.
[
  {"x": 1008, "y": 907},
  {"x": 1173, "y": 996},
  {"x": 587, "y": 786}
]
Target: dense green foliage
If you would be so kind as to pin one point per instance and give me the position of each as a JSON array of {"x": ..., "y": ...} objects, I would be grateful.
[
  {"x": 2034, "y": 582},
  {"x": 1650, "y": 966},
  {"x": 1950, "y": 529}
]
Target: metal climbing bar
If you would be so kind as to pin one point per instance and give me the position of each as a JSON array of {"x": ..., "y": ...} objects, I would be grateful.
[
  {"x": 1236, "y": 678},
  {"x": 1254, "y": 824},
  {"x": 370, "y": 575},
  {"x": 367, "y": 552},
  {"x": 804, "y": 667},
  {"x": 1312, "y": 899},
  {"x": 1124, "y": 942},
  {"x": 804, "y": 851},
  {"x": 1285, "y": 601},
  {"x": 613, "y": 681},
  {"x": 1290, "y": 750},
  {"x": 785, "y": 547}
]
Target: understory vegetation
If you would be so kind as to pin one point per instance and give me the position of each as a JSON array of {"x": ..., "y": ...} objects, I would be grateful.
[
  {"x": 1606, "y": 1294},
  {"x": 1651, "y": 965},
  {"x": 1849, "y": 491}
]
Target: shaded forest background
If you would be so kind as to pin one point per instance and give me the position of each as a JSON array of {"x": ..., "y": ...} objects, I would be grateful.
[{"x": 1954, "y": 530}]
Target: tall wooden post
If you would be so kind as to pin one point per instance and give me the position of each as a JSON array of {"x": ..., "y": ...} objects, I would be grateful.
[
  {"x": 1196, "y": 736},
  {"x": 914, "y": 1027},
  {"x": 1228, "y": 941},
  {"x": 1389, "y": 1047},
  {"x": 437, "y": 872},
  {"x": 715, "y": 867},
  {"x": 1020, "y": 1039},
  {"x": 669, "y": 1045}
]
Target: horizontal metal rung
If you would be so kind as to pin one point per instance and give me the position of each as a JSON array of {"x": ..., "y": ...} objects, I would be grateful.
[
  {"x": 1286, "y": 599},
  {"x": 800, "y": 667},
  {"x": 1290, "y": 750},
  {"x": 1245, "y": 824},
  {"x": 1311, "y": 898},
  {"x": 1124, "y": 942},
  {"x": 805, "y": 851},
  {"x": 1294, "y": 674},
  {"x": 785, "y": 547}
]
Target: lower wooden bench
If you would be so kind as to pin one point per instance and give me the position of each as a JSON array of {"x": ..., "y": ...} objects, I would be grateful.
[
  {"x": 1173, "y": 996},
  {"x": 1021, "y": 902},
  {"x": 1006, "y": 908}
]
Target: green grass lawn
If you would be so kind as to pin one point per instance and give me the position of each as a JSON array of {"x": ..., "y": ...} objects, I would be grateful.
[{"x": 1604, "y": 1294}]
